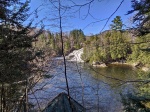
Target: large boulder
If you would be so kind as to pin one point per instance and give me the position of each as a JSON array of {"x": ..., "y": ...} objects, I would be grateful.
[{"x": 99, "y": 64}]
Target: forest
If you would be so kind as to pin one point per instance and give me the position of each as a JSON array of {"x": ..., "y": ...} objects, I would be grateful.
[{"x": 27, "y": 51}]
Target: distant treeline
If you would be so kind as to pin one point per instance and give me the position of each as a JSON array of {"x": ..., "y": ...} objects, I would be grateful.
[
  {"x": 117, "y": 46},
  {"x": 109, "y": 46},
  {"x": 52, "y": 41}
]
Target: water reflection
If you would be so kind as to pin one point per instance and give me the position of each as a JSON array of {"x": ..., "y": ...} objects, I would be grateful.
[
  {"x": 113, "y": 74},
  {"x": 97, "y": 89}
]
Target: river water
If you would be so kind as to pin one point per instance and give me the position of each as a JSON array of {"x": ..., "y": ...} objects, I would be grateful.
[{"x": 97, "y": 89}]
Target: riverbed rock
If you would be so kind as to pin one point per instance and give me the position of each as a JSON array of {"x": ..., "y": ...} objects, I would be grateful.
[
  {"x": 100, "y": 65},
  {"x": 145, "y": 69},
  {"x": 61, "y": 103},
  {"x": 136, "y": 64},
  {"x": 95, "y": 63}
]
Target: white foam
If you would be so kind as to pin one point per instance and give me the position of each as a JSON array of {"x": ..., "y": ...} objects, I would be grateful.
[{"x": 75, "y": 55}]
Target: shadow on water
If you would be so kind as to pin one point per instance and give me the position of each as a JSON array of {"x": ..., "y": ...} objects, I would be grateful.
[{"x": 113, "y": 74}]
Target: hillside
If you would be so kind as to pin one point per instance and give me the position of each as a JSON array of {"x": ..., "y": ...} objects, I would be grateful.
[{"x": 117, "y": 46}]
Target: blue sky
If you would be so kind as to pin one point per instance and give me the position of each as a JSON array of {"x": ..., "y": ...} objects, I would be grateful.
[{"x": 75, "y": 19}]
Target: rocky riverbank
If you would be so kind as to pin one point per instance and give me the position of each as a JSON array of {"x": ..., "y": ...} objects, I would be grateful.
[
  {"x": 76, "y": 56},
  {"x": 138, "y": 65}
]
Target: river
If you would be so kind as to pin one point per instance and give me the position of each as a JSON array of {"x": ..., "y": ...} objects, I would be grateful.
[{"x": 97, "y": 89}]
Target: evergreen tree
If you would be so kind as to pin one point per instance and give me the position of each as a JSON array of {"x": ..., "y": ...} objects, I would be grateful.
[
  {"x": 134, "y": 103},
  {"x": 16, "y": 54},
  {"x": 140, "y": 102},
  {"x": 107, "y": 47},
  {"x": 77, "y": 38},
  {"x": 117, "y": 23},
  {"x": 142, "y": 16},
  {"x": 15, "y": 42}
]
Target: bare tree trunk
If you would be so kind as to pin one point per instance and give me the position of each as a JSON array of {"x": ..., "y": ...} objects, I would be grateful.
[
  {"x": 97, "y": 93},
  {"x": 26, "y": 96},
  {"x": 82, "y": 84},
  {"x": 24, "y": 99},
  {"x": 3, "y": 100},
  {"x": 1, "y": 97},
  {"x": 37, "y": 101},
  {"x": 98, "y": 98},
  {"x": 60, "y": 27}
]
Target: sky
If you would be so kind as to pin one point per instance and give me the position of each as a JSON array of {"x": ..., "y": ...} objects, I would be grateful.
[{"x": 78, "y": 17}]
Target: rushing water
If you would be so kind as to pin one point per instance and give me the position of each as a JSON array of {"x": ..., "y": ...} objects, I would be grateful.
[{"x": 97, "y": 89}]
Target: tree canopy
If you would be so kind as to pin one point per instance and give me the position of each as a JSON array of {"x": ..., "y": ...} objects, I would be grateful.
[
  {"x": 142, "y": 16},
  {"x": 14, "y": 40},
  {"x": 77, "y": 38},
  {"x": 16, "y": 54},
  {"x": 117, "y": 23}
]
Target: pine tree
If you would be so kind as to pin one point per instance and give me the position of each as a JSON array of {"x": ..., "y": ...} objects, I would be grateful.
[
  {"x": 15, "y": 42},
  {"x": 16, "y": 53},
  {"x": 142, "y": 16},
  {"x": 77, "y": 38},
  {"x": 117, "y": 23},
  {"x": 140, "y": 101}
]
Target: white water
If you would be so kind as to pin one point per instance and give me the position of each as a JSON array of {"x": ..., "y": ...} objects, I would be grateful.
[{"x": 75, "y": 55}]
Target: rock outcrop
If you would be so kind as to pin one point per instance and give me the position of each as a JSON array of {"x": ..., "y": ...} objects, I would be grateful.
[{"x": 75, "y": 55}]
